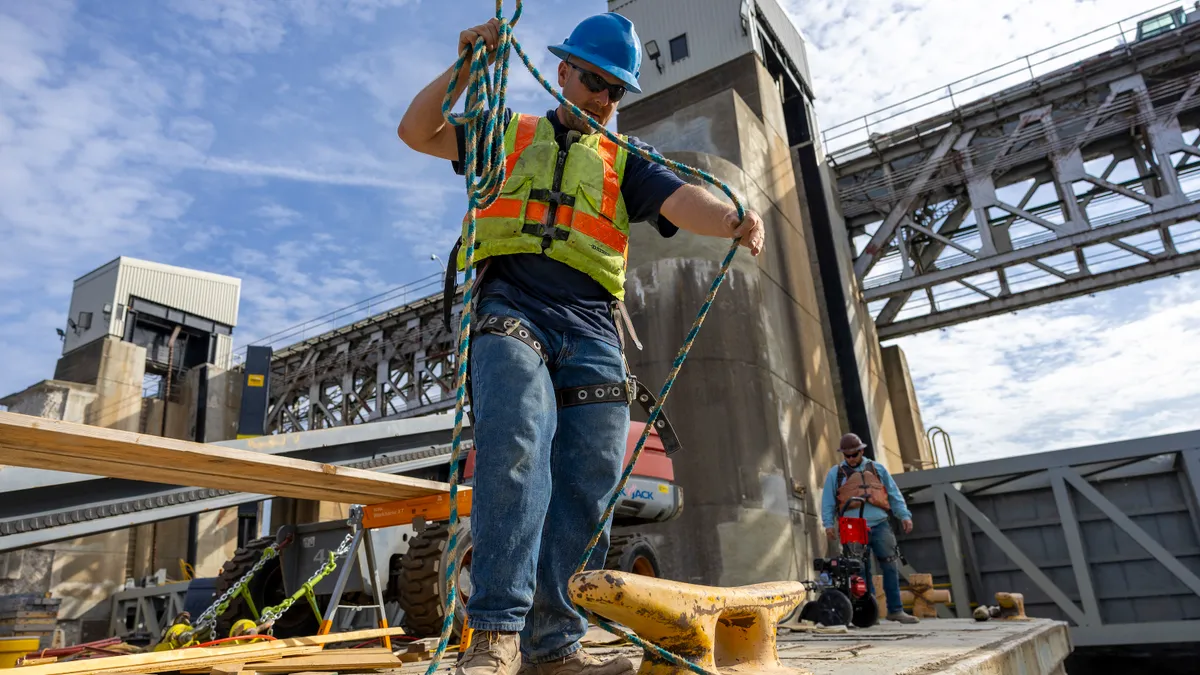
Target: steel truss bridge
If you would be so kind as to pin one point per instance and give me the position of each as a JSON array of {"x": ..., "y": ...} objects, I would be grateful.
[
  {"x": 1082, "y": 179},
  {"x": 392, "y": 365}
]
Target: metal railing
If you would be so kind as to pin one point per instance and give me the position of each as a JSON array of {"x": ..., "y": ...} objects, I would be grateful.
[
  {"x": 933, "y": 434},
  {"x": 857, "y": 131}
]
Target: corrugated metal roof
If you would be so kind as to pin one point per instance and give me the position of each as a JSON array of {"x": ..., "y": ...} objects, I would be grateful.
[{"x": 205, "y": 294}]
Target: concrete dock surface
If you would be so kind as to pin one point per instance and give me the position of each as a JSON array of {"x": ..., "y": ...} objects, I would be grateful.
[{"x": 935, "y": 646}]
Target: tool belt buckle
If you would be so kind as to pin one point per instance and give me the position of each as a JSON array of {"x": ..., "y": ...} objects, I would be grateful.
[
  {"x": 511, "y": 325},
  {"x": 630, "y": 389}
]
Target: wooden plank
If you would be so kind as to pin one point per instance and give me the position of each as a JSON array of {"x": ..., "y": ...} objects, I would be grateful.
[
  {"x": 329, "y": 659},
  {"x": 333, "y": 659},
  {"x": 45, "y": 460},
  {"x": 31, "y": 441},
  {"x": 98, "y": 667},
  {"x": 196, "y": 657}
]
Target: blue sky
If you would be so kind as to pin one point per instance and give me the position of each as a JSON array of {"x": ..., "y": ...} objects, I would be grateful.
[{"x": 257, "y": 139}]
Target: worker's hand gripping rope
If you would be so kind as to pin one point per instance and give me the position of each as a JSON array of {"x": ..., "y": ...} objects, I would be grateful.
[{"x": 486, "y": 95}]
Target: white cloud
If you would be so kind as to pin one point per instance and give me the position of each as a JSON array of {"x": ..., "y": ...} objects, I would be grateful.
[
  {"x": 868, "y": 54},
  {"x": 249, "y": 26},
  {"x": 1087, "y": 370},
  {"x": 250, "y": 168},
  {"x": 78, "y": 152},
  {"x": 278, "y": 215}
]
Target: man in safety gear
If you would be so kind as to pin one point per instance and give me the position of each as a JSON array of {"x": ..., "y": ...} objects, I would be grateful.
[
  {"x": 551, "y": 254},
  {"x": 859, "y": 477}
]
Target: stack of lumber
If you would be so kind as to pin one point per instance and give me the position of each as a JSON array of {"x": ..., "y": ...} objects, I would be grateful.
[
  {"x": 293, "y": 655},
  {"x": 42, "y": 443}
]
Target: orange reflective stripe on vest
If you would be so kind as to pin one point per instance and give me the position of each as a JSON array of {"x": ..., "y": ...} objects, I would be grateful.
[
  {"x": 589, "y": 225},
  {"x": 525, "y": 130},
  {"x": 601, "y": 230},
  {"x": 503, "y": 208},
  {"x": 612, "y": 186}
]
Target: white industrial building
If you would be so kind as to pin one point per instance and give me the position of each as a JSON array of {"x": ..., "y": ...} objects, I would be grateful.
[{"x": 143, "y": 302}]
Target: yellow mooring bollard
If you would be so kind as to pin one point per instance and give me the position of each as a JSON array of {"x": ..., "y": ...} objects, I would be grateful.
[{"x": 727, "y": 630}]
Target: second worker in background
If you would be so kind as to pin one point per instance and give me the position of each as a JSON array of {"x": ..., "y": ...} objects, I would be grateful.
[{"x": 859, "y": 477}]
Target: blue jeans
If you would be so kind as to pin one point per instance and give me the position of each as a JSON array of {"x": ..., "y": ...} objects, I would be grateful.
[
  {"x": 883, "y": 545},
  {"x": 543, "y": 477}
]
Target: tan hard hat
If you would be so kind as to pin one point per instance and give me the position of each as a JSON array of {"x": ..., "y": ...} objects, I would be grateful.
[{"x": 851, "y": 443}]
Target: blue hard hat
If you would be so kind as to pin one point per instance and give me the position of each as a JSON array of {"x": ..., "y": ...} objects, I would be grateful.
[{"x": 609, "y": 42}]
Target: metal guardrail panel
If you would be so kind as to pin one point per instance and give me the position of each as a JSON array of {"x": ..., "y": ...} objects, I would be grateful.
[{"x": 1106, "y": 537}]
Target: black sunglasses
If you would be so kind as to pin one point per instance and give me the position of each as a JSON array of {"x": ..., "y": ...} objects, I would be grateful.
[{"x": 597, "y": 84}]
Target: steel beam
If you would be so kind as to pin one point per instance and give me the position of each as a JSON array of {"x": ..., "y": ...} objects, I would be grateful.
[
  {"x": 1079, "y": 559},
  {"x": 1046, "y": 294},
  {"x": 1189, "y": 462},
  {"x": 389, "y": 366},
  {"x": 1081, "y": 456},
  {"x": 146, "y": 610},
  {"x": 1160, "y": 632},
  {"x": 1151, "y": 221},
  {"x": 1010, "y": 549},
  {"x": 1162, "y": 555},
  {"x": 886, "y": 231},
  {"x": 960, "y": 591}
]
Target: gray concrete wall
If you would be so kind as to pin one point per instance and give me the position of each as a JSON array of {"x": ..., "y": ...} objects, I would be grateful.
[
  {"x": 223, "y": 399},
  {"x": 910, "y": 429},
  {"x": 216, "y": 531},
  {"x": 53, "y": 399},
  {"x": 118, "y": 380},
  {"x": 82, "y": 572},
  {"x": 754, "y": 403},
  {"x": 867, "y": 354},
  {"x": 81, "y": 365}
]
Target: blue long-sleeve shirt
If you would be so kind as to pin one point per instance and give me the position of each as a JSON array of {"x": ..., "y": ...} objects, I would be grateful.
[{"x": 872, "y": 513}]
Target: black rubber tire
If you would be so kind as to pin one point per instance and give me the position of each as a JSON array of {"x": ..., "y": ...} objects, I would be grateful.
[
  {"x": 866, "y": 612},
  {"x": 831, "y": 608},
  {"x": 419, "y": 579},
  {"x": 266, "y": 589},
  {"x": 632, "y": 553}
]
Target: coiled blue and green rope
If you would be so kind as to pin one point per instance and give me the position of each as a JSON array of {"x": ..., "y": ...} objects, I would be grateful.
[{"x": 486, "y": 93}]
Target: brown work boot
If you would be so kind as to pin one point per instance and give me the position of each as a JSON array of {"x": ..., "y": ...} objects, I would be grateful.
[
  {"x": 902, "y": 617},
  {"x": 491, "y": 653},
  {"x": 580, "y": 663}
]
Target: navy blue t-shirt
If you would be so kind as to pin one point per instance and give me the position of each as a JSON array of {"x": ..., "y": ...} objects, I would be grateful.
[{"x": 556, "y": 295}]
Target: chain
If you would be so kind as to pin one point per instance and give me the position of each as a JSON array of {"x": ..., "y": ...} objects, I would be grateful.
[
  {"x": 208, "y": 620},
  {"x": 271, "y": 614}
]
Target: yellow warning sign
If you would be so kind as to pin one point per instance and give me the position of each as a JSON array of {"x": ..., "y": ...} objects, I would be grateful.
[{"x": 254, "y": 380}]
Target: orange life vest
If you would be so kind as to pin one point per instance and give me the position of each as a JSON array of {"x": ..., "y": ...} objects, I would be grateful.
[{"x": 865, "y": 484}]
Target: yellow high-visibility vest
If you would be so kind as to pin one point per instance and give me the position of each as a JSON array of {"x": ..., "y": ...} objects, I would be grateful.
[{"x": 589, "y": 228}]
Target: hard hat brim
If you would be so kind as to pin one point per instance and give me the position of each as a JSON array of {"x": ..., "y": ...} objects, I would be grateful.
[{"x": 627, "y": 78}]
